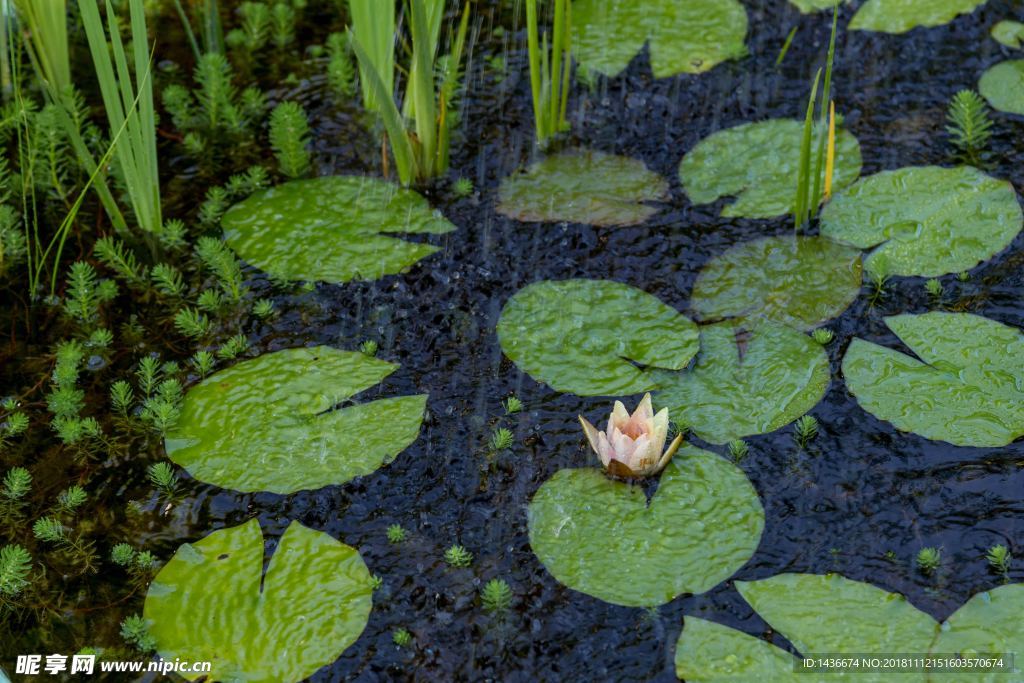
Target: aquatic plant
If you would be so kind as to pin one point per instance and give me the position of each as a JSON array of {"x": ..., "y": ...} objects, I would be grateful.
[
  {"x": 501, "y": 439},
  {"x": 368, "y": 348},
  {"x": 203, "y": 362},
  {"x": 14, "y": 424},
  {"x": 969, "y": 125},
  {"x": 192, "y": 323},
  {"x": 496, "y": 595},
  {"x": 928, "y": 559},
  {"x": 162, "y": 476},
  {"x": 549, "y": 71},
  {"x": 422, "y": 152},
  {"x": 458, "y": 556},
  {"x": 823, "y": 335},
  {"x": 136, "y": 633},
  {"x": 934, "y": 288},
  {"x": 264, "y": 309},
  {"x": 805, "y": 429},
  {"x": 17, "y": 482},
  {"x": 235, "y": 346},
  {"x": 376, "y": 583},
  {"x": 999, "y": 559},
  {"x": 738, "y": 449},
  {"x": 86, "y": 293},
  {"x": 341, "y": 75},
  {"x": 289, "y": 137},
  {"x": 463, "y": 187},
  {"x": 396, "y": 534},
  {"x": 373, "y": 27},
  {"x": 401, "y": 637},
  {"x": 70, "y": 499},
  {"x": 15, "y": 567},
  {"x": 512, "y": 405},
  {"x": 634, "y": 445},
  {"x": 122, "y": 554},
  {"x": 211, "y": 31}
]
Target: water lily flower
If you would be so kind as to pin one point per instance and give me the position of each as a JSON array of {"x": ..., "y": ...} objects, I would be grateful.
[{"x": 633, "y": 446}]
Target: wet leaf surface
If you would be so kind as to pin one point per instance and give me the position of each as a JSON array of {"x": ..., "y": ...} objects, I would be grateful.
[
  {"x": 272, "y": 423},
  {"x": 212, "y": 602},
  {"x": 583, "y": 187},
  {"x": 925, "y": 220},
  {"x": 1009, "y": 33},
  {"x": 601, "y": 537},
  {"x": 899, "y": 16},
  {"x": 1003, "y": 86},
  {"x": 757, "y": 163},
  {"x": 332, "y": 229},
  {"x": 965, "y": 389}
]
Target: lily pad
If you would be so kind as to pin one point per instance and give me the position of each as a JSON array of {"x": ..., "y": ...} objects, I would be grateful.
[
  {"x": 272, "y": 423},
  {"x": 1003, "y": 86},
  {"x": 757, "y": 164},
  {"x": 925, "y": 220},
  {"x": 965, "y": 389},
  {"x": 703, "y": 523},
  {"x": 583, "y": 187},
  {"x": 685, "y": 37},
  {"x": 899, "y": 16},
  {"x": 799, "y": 281},
  {"x": 835, "y": 615},
  {"x": 332, "y": 229},
  {"x": 594, "y": 337},
  {"x": 212, "y": 602},
  {"x": 808, "y": 6},
  {"x": 1009, "y": 33},
  {"x": 746, "y": 382}
]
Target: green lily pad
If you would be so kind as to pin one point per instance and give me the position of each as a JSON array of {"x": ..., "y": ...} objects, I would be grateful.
[
  {"x": 685, "y": 37},
  {"x": 899, "y": 16},
  {"x": 601, "y": 537},
  {"x": 212, "y": 602},
  {"x": 925, "y": 220},
  {"x": 583, "y": 187},
  {"x": 757, "y": 164},
  {"x": 808, "y": 6},
  {"x": 1009, "y": 33},
  {"x": 965, "y": 389},
  {"x": 332, "y": 229},
  {"x": 746, "y": 382},
  {"x": 799, "y": 281},
  {"x": 835, "y": 615},
  {"x": 271, "y": 423},
  {"x": 1003, "y": 86},
  {"x": 588, "y": 337}
]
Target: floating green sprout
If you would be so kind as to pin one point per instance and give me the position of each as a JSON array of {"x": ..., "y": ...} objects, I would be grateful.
[
  {"x": 496, "y": 596},
  {"x": 264, "y": 309},
  {"x": 823, "y": 335},
  {"x": 234, "y": 347},
  {"x": 162, "y": 476},
  {"x": 15, "y": 565},
  {"x": 969, "y": 124},
  {"x": 368, "y": 348},
  {"x": 203, "y": 362},
  {"x": 396, "y": 534},
  {"x": 963, "y": 276},
  {"x": 289, "y": 137},
  {"x": 501, "y": 439},
  {"x": 71, "y": 499},
  {"x": 934, "y": 288},
  {"x": 805, "y": 429},
  {"x": 512, "y": 405},
  {"x": 999, "y": 558},
  {"x": 401, "y": 637},
  {"x": 136, "y": 633},
  {"x": 376, "y": 582},
  {"x": 738, "y": 449},
  {"x": 463, "y": 187},
  {"x": 16, "y": 483},
  {"x": 457, "y": 556},
  {"x": 122, "y": 554},
  {"x": 928, "y": 559},
  {"x": 49, "y": 529}
]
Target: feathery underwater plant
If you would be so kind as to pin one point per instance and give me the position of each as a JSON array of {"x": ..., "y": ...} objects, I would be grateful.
[
  {"x": 501, "y": 439},
  {"x": 969, "y": 125},
  {"x": 823, "y": 335},
  {"x": 401, "y": 637},
  {"x": 999, "y": 559},
  {"x": 289, "y": 137},
  {"x": 496, "y": 596},
  {"x": 512, "y": 405},
  {"x": 396, "y": 534},
  {"x": 457, "y": 556},
  {"x": 738, "y": 449},
  {"x": 928, "y": 559},
  {"x": 806, "y": 428}
]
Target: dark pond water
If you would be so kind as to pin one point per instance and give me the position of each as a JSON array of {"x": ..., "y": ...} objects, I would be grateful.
[{"x": 860, "y": 490}]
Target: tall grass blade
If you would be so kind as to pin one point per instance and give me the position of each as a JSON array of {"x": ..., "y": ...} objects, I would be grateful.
[
  {"x": 830, "y": 158},
  {"x": 825, "y": 99},
  {"x": 801, "y": 208},
  {"x": 373, "y": 23}
]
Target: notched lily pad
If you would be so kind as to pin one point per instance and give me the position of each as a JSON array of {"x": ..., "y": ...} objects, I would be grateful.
[
  {"x": 211, "y": 602},
  {"x": 799, "y": 281},
  {"x": 899, "y": 16},
  {"x": 684, "y": 37},
  {"x": 832, "y": 614},
  {"x": 746, "y": 382},
  {"x": 332, "y": 229},
  {"x": 583, "y": 186},
  {"x": 1009, "y": 33},
  {"x": 602, "y": 538},
  {"x": 272, "y": 423},
  {"x": 1003, "y": 86},
  {"x": 594, "y": 337},
  {"x": 965, "y": 389},
  {"x": 756, "y": 163},
  {"x": 925, "y": 220}
]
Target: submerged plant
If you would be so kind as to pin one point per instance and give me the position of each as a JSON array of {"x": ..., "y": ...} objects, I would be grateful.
[
  {"x": 16, "y": 484},
  {"x": 401, "y": 637},
  {"x": 934, "y": 288},
  {"x": 512, "y": 405},
  {"x": 969, "y": 125},
  {"x": 806, "y": 428},
  {"x": 396, "y": 534},
  {"x": 289, "y": 137},
  {"x": 341, "y": 77},
  {"x": 162, "y": 476},
  {"x": 15, "y": 566},
  {"x": 738, "y": 449},
  {"x": 463, "y": 187},
  {"x": 999, "y": 559},
  {"x": 264, "y": 309},
  {"x": 501, "y": 439},
  {"x": 136, "y": 633},
  {"x": 496, "y": 596},
  {"x": 549, "y": 71},
  {"x": 633, "y": 446},
  {"x": 928, "y": 559},
  {"x": 368, "y": 348},
  {"x": 823, "y": 335},
  {"x": 457, "y": 556}
]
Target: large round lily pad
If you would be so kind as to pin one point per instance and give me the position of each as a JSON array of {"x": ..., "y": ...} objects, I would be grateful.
[
  {"x": 965, "y": 389},
  {"x": 1003, "y": 86},
  {"x": 833, "y": 615},
  {"x": 899, "y": 16},
  {"x": 601, "y": 537},
  {"x": 684, "y": 37},
  {"x": 583, "y": 186},
  {"x": 332, "y": 229},
  {"x": 925, "y": 220},
  {"x": 757, "y": 164},
  {"x": 272, "y": 423},
  {"x": 212, "y": 602},
  {"x": 800, "y": 281},
  {"x": 1008, "y": 33},
  {"x": 594, "y": 337},
  {"x": 746, "y": 382}
]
